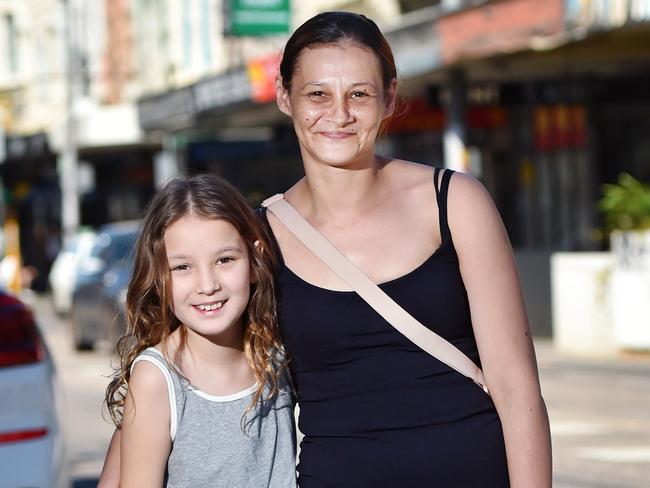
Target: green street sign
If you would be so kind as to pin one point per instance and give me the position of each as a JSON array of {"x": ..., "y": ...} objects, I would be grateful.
[{"x": 258, "y": 17}]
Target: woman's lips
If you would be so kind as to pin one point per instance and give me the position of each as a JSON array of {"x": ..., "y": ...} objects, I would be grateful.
[{"x": 337, "y": 135}]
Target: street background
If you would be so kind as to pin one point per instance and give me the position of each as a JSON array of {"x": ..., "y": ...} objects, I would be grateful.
[
  {"x": 598, "y": 409},
  {"x": 546, "y": 102}
]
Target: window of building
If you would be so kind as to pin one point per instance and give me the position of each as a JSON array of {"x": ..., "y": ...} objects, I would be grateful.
[
  {"x": 205, "y": 32},
  {"x": 187, "y": 33},
  {"x": 12, "y": 43}
]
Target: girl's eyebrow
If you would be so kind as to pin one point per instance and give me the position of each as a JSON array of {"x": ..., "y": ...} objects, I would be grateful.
[{"x": 221, "y": 250}]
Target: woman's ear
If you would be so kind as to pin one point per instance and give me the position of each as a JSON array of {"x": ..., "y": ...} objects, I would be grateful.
[
  {"x": 282, "y": 97},
  {"x": 391, "y": 99}
]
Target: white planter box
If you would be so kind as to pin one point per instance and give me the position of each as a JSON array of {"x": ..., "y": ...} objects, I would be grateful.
[
  {"x": 580, "y": 286},
  {"x": 630, "y": 289}
]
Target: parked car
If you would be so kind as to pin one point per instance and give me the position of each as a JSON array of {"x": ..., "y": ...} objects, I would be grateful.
[
  {"x": 97, "y": 302},
  {"x": 31, "y": 441},
  {"x": 65, "y": 269}
]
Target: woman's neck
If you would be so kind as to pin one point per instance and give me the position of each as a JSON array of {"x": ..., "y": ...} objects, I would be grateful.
[{"x": 339, "y": 194}]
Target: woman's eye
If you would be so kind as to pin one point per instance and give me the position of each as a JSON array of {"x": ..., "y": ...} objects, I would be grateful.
[
  {"x": 316, "y": 94},
  {"x": 359, "y": 94}
]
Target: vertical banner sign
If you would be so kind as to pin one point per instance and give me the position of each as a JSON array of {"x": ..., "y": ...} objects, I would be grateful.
[{"x": 259, "y": 17}]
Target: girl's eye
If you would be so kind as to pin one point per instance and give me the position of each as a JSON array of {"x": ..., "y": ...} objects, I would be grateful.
[
  {"x": 180, "y": 267},
  {"x": 225, "y": 260}
]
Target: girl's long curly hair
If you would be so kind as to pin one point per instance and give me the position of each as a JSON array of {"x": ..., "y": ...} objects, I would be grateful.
[{"x": 150, "y": 316}]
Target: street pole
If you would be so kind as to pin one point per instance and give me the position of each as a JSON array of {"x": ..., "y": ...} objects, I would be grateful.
[
  {"x": 454, "y": 137},
  {"x": 68, "y": 160}
]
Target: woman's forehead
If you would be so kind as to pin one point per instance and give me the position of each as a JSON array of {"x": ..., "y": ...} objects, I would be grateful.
[{"x": 333, "y": 59}]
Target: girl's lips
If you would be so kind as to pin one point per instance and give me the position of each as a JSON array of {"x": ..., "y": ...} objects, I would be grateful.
[{"x": 209, "y": 308}]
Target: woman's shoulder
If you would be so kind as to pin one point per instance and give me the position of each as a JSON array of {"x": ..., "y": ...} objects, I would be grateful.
[{"x": 467, "y": 193}]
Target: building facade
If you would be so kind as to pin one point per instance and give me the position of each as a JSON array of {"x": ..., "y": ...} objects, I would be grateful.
[{"x": 543, "y": 101}]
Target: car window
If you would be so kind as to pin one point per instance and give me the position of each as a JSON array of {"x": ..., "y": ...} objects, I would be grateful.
[{"x": 121, "y": 245}]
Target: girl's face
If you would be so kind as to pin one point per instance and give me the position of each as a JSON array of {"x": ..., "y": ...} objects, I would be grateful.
[
  {"x": 210, "y": 275},
  {"x": 337, "y": 103}
]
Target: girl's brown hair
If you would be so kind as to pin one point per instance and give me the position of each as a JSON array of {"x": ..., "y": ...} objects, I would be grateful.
[{"x": 149, "y": 312}]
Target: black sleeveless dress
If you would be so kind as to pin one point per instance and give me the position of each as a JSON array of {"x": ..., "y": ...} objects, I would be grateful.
[{"x": 375, "y": 410}]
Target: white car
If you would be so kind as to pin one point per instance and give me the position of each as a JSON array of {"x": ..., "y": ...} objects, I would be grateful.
[
  {"x": 31, "y": 441},
  {"x": 63, "y": 275}
]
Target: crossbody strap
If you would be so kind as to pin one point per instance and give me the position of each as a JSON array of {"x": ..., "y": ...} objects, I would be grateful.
[{"x": 392, "y": 312}]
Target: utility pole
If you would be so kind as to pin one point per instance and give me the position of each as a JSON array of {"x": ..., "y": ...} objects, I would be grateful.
[
  {"x": 68, "y": 160},
  {"x": 454, "y": 138}
]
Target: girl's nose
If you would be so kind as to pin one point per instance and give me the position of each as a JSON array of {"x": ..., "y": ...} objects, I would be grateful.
[{"x": 207, "y": 282}]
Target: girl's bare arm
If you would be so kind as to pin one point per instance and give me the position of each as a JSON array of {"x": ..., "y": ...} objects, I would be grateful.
[
  {"x": 110, "y": 477},
  {"x": 145, "y": 441}
]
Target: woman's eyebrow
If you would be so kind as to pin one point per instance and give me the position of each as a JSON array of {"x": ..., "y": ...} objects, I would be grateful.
[{"x": 325, "y": 83}]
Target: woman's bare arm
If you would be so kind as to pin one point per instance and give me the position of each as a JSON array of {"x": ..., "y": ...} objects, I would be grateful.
[{"x": 502, "y": 332}]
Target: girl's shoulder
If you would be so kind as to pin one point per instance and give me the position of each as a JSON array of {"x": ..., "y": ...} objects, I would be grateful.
[{"x": 149, "y": 374}]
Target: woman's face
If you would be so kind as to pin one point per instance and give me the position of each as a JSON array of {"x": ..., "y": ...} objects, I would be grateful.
[{"x": 337, "y": 102}]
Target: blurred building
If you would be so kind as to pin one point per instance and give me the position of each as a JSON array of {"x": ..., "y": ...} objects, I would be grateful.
[
  {"x": 32, "y": 93},
  {"x": 544, "y": 101}
]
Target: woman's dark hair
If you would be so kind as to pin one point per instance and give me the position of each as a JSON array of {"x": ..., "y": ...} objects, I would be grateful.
[{"x": 335, "y": 28}]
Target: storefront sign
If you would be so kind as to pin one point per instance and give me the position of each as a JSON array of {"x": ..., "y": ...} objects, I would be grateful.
[
  {"x": 258, "y": 17},
  {"x": 177, "y": 109},
  {"x": 558, "y": 127},
  {"x": 221, "y": 90}
]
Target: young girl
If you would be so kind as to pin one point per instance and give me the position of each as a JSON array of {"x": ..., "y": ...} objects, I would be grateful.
[{"x": 207, "y": 404}]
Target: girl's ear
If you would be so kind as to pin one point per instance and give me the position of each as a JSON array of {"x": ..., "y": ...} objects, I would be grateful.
[
  {"x": 282, "y": 97},
  {"x": 391, "y": 98}
]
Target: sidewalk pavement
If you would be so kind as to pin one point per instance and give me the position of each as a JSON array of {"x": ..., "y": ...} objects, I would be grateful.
[{"x": 599, "y": 409}]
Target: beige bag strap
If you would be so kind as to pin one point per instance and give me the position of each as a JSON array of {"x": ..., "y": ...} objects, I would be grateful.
[{"x": 393, "y": 313}]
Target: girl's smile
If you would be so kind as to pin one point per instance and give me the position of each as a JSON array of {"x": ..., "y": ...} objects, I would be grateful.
[{"x": 210, "y": 307}]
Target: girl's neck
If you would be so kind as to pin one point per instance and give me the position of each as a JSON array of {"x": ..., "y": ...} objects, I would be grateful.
[
  {"x": 330, "y": 194},
  {"x": 217, "y": 367},
  {"x": 216, "y": 351}
]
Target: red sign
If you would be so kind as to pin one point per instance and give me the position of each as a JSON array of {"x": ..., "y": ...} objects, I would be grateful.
[{"x": 262, "y": 73}]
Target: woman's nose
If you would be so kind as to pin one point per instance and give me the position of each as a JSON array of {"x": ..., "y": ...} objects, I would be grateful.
[{"x": 340, "y": 111}]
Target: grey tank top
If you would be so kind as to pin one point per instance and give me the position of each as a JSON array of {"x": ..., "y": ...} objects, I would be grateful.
[{"x": 213, "y": 447}]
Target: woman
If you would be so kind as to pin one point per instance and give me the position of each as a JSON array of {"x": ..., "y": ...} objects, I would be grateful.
[{"x": 374, "y": 408}]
